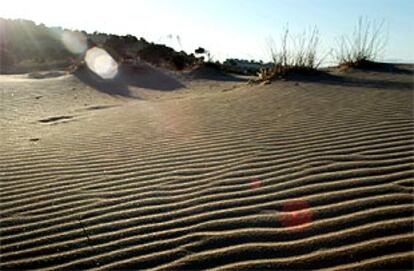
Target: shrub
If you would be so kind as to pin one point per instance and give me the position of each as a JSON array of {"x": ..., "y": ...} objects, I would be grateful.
[
  {"x": 7, "y": 61},
  {"x": 163, "y": 56},
  {"x": 296, "y": 54},
  {"x": 363, "y": 47}
]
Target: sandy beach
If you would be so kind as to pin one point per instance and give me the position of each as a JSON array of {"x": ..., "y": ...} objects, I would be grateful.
[{"x": 186, "y": 172}]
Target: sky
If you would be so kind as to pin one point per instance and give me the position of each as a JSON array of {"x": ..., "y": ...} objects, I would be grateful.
[{"x": 227, "y": 28}]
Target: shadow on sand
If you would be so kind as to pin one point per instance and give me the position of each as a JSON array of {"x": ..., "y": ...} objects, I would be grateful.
[
  {"x": 139, "y": 76},
  {"x": 213, "y": 73},
  {"x": 387, "y": 68},
  {"x": 357, "y": 82}
]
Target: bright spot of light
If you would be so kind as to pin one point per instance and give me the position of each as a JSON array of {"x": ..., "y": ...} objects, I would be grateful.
[
  {"x": 255, "y": 183},
  {"x": 101, "y": 63},
  {"x": 296, "y": 214},
  {"x": 75, "y": 42}
]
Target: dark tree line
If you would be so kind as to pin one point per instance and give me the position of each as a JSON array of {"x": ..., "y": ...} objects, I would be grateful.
[{"x": 23, "y": 43}]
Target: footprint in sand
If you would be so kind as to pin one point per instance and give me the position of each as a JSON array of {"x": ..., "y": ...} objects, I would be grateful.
[{"x": 55, "y": 119}]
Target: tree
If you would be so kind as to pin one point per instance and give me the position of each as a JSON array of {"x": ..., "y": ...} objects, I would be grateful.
[{"x": 201, "y": 51}]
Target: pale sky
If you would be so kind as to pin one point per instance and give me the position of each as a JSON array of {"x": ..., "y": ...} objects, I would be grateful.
[{"x": 228, "y": 28}]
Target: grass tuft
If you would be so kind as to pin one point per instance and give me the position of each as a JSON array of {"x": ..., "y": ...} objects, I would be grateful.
[
  {"x": 294, "y": 55},
  {"x": 363, "y": 47}
]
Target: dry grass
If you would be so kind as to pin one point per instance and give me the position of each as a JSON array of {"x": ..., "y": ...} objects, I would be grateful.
[
  {"x": 295, "y": 54},
  {"x": 363, "y": 47}
]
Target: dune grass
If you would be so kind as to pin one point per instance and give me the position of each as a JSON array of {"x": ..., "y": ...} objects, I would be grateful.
[
  {"x": 363, "y": 47},
  {"x": 295, "y": 54}
]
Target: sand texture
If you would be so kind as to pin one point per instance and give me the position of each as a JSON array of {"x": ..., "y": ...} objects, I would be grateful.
[{"x": 185, "y": 173}]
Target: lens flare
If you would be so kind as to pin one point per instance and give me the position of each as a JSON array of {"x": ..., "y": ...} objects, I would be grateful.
[
  {"x": 75, "y": 42},
  {"x": 101, "y": 63},
  {"x": 297, "y": 214},
  {"x": 255, "y": 183}
]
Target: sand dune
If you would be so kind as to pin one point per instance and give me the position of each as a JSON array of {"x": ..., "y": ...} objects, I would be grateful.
[{"x": 308, "y": 174}]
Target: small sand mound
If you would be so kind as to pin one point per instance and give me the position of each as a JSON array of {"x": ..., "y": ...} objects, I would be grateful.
[
  {"x": 130, "y": 76},
  {"x": 211, "y": 71},
  {"x": 376, "y": 67}
]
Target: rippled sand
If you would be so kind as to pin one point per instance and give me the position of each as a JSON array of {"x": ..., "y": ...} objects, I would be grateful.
[{"x": 207, "y": 174}]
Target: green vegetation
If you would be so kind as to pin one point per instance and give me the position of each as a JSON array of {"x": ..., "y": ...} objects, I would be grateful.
[
  {"x": 23, "y": 43},
  {"x": 26, "y": 46},
  {"x": 163, "y": 56}
]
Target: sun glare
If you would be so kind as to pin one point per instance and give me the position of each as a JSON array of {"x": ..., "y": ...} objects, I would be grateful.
[
  {"x": 101, "y": 63},
  {"x": 75, "y": 42}
]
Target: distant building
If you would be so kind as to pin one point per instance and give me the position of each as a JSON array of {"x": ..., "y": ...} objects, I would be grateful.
[{"x": 244, "y": 66}]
